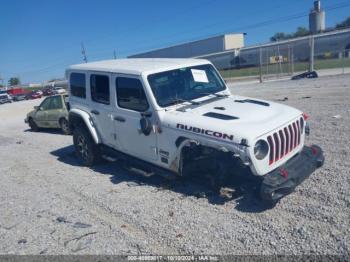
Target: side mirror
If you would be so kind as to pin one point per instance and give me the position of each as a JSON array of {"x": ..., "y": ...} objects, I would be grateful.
[
  {"x": 146, "y": 126},
  {"x": 37, "y": 108}
]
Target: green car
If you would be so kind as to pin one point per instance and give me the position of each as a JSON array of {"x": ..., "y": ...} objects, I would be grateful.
[{"x": 52, "y": 113}]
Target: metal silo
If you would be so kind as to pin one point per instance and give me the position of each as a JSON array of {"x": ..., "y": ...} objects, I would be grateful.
[{"x": 317, "y": 18}]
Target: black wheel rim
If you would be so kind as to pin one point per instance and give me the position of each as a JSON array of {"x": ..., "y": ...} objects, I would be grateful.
[{"x": 83, "y": 147}]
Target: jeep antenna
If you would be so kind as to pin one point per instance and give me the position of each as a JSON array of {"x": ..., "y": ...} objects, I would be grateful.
[{"x": 83, "y": 51}]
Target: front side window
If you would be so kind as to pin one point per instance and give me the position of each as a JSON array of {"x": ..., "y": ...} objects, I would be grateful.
[
  {"x": 99, "y": 85},
  {"x": 185, "y": 84},
  {"x": 130, "y": 94},
  {"x": 45, "y": 105},
  {"x": 78, "y": 85}
]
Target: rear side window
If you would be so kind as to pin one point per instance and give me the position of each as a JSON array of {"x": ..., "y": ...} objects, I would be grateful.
[
  {"x": 78, "y": 85},
  {"x": 130, "y": 94},
  {"x": 56, "y": 102},
  {"x": 99, "y": 85}
]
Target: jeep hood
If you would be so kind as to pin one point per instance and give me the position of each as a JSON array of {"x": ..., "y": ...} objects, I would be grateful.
[{"x": 242, "y": 117}]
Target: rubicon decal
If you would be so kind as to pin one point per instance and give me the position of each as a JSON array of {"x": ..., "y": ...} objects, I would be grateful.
[{"x": 205, "y": 132}]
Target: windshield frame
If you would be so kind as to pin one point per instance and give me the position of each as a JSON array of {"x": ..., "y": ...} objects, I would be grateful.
[{"x": 220, "y": 85}]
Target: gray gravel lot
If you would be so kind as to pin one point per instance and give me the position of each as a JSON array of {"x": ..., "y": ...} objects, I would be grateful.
[{"x": 51, "y": 205}]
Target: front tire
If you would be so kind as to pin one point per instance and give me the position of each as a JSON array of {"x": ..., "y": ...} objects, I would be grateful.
[
  {"x": 33, "y": 125},
  {"x": 85, "y": 148}
]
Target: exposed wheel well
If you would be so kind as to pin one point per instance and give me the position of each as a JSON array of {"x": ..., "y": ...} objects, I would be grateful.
[
  {"x": 209, "y": 164},
  {"x": 205, "y": 157},
  {"x": 74, "y": 121}
]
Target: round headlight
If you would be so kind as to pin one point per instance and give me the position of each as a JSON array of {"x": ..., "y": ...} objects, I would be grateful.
[{"x": 261, "y": 149}]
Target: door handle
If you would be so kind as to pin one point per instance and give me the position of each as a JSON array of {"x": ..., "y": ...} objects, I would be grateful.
[
  {"x": 95, "y": 112},
  {"x": 119, "y": 119}
]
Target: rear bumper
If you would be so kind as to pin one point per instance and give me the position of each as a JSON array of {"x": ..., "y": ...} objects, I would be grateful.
[{"x": 283, "y": 180}]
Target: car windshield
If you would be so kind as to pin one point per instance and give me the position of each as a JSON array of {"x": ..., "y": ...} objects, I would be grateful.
[{"x": 185, "y": 84}]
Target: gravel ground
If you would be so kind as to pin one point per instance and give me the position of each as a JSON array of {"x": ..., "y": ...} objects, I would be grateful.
[{"x": 51, "y": 205}]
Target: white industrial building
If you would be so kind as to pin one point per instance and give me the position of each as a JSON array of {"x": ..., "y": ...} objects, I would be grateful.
[{"x": 206, "y": 46}]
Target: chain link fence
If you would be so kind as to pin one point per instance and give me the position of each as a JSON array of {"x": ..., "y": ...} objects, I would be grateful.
[{"x": 276, "y": 61}]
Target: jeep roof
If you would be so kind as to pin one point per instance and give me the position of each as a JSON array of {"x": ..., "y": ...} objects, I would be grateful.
[{"x": 137, "y": 66}]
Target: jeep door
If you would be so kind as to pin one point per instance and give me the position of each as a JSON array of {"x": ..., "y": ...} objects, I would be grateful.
[
  {"x": 101, "y": 106},
  {"x": 131, "y": 105}
]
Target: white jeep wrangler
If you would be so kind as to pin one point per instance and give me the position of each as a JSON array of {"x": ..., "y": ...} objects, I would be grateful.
[{"x": 166, "y": 116}]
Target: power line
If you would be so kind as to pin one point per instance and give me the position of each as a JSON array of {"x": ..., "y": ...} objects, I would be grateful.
[
  {"x": 137, "y": 27},
  {"x": 188, "y": 10},
  {"x": 251, "y": 26},
  {"x": 190, "y": 31}
]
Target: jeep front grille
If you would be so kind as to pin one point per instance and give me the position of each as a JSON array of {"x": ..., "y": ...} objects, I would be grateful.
[{"x": 284, "y": 141}]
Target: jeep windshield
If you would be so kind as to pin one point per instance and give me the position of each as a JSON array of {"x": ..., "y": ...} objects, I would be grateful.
[{"x": 185, "y": 84}]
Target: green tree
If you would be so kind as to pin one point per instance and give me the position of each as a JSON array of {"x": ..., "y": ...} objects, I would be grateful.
[
  {"x": 279, "y": 36},
  {"x": 345, "y": 23},
  {"x": 14, "y": 81},
  {"x": 301, "y": 31}
]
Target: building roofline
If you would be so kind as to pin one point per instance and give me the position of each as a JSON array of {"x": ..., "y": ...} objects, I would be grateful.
[
  {"x": 183, "y": 43},
  {"x": 298, "y": 39},
  {"x": 334, "y": 32}
]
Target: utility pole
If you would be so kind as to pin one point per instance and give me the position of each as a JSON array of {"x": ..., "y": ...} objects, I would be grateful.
[
  {"x": 343, "y": 61},
  {"x": 2, "y": 80},
  {"x": 279, "y": 62},
  {"x": 115, "y": 54},
  {"x": 260, "y": 65},
  {"x": 83, "y": 51},
  {"x": 312, "y": 53},
  {"x": 292, "y": 59},
  {"x": 289, "y": 60}
]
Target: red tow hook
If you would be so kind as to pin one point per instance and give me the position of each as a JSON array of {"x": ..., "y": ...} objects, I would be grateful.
[{"x": 284, "y": 172}]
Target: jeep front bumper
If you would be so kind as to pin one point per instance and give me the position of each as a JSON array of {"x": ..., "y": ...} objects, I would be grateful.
[{"x": 283, "y": 180}]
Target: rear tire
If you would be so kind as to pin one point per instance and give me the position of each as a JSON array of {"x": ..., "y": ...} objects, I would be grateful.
[
  {"x": 33, "y": 125},
  {"x": 85, "y": 148},
  {"x": 65, "y": 126}
]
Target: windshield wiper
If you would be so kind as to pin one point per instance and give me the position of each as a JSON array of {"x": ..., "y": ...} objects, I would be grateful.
[
  {"x": 214, "y": 94},
  {"x": 180, "y": 100}
]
